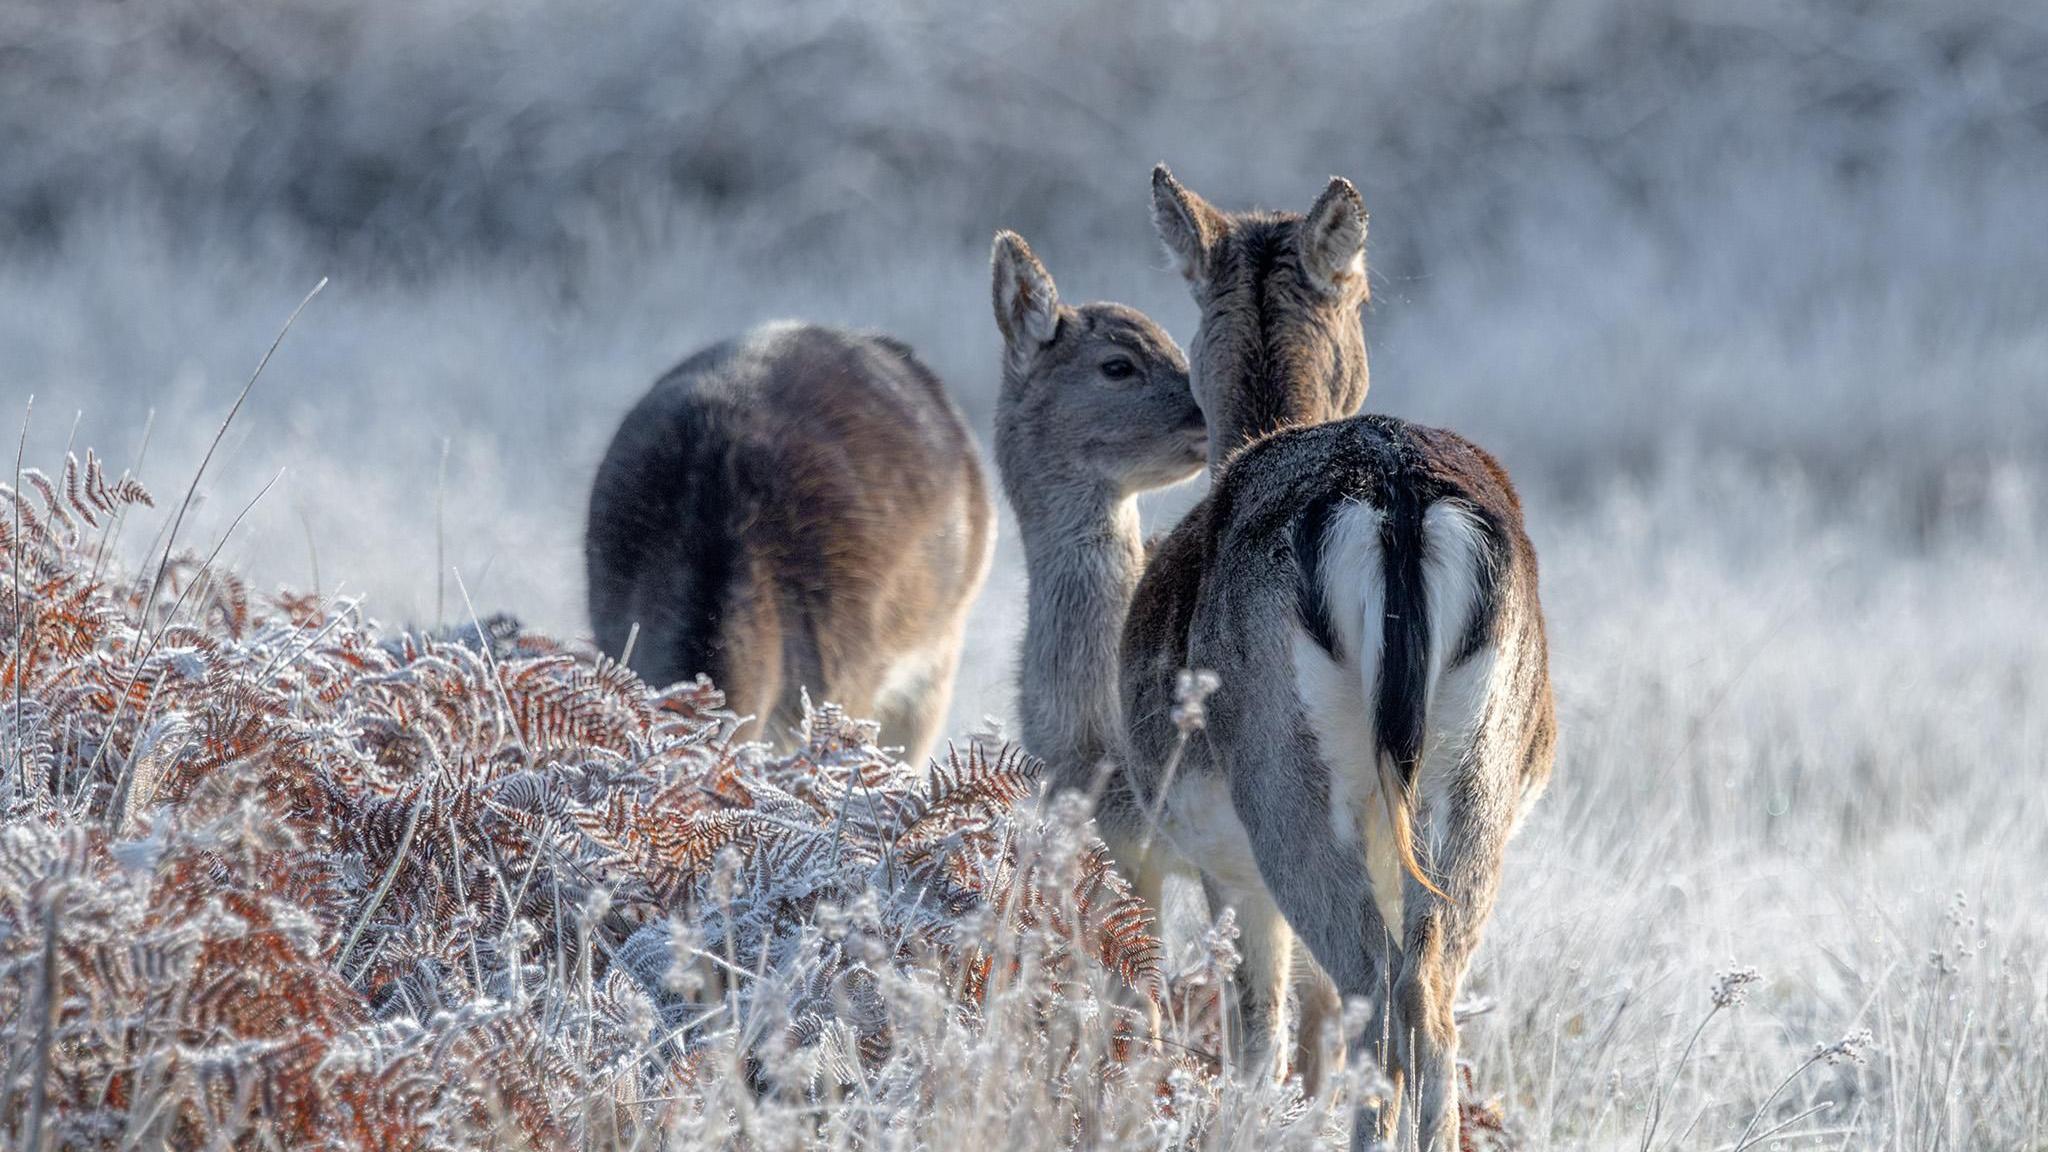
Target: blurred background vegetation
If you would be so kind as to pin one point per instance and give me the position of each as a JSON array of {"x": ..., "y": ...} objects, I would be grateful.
[{"x": 1802, "y": 233}]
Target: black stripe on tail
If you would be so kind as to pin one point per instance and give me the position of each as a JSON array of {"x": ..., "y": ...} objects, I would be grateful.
[{"x": 1400, "y": 714}]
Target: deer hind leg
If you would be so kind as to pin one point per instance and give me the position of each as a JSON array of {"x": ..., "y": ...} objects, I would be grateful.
[
  {"x": 913, "y": 699},
  {"x": 1293, "y": 808},
  {"x": 1423, "y": 1036},
  {"x": 1468, "y": 807},
  {"x": 1462, "y": 830}
]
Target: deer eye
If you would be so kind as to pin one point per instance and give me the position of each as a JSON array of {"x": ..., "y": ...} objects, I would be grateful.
[{"x": 1119, "y": 368}]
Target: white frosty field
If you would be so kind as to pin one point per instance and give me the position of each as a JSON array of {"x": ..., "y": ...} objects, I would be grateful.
[{"x": 1797, "y": 740}]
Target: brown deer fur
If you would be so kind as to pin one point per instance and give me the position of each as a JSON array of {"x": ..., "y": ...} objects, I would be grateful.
[
  {"x": 1366, "y": 594},
  {"x": 801, "y": 508}
]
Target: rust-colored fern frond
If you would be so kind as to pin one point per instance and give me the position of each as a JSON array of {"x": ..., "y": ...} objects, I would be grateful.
[{"x": 305, "y": 882}]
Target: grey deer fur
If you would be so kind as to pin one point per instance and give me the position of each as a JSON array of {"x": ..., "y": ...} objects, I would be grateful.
[
  {"x": 801, "y": 508},
  {"x": 1365, "y": 592},
  {"x": 1075, "y": 445}
]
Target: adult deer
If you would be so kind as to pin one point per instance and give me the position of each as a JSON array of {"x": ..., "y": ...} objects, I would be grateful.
[
  {"x": 801, "y": 507},
  {"x": 1365, "y": 592}
]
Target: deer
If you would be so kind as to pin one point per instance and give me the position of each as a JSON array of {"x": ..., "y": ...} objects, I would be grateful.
[
  {"x": 801, "y": 508},
  {"x": 1365, "y": 593},
  {"x": 1094, "y": 409}
]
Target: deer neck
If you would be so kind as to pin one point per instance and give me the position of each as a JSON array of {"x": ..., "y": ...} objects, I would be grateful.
[
  {"x": 1083, "y": 554},
  {"x": 1317, "y": 375}
]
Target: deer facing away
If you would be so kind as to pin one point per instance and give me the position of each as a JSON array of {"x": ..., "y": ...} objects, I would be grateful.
[
  {"x": 798, "y": 508},
  {"x": 1365, "y": 592}
]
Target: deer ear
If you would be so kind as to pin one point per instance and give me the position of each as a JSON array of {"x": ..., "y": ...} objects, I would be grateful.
[
  {"x": 1027, "y": 303},
  {"x": 1187, "y": 225},
  {"x": 1333, "y": 239}
]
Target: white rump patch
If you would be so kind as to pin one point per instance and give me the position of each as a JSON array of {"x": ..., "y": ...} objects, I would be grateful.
[
  {"x": 1454, "y": 554},
  {"x": 1455, "y": 559},
  {"x": 1339, "y": 696}
]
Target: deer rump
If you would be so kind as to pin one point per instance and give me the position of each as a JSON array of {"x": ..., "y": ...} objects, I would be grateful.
[
  {"x": 1386, "y": 566},
  {"x": 796, "y": 508}
]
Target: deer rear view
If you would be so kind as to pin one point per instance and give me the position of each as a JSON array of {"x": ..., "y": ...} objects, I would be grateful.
[
  {"x": 798, "y": 508},
  {"x": 1366, "y": 594}
]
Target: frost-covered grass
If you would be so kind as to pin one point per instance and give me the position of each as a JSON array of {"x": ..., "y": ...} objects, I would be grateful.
[
  {"x": 1791, "y": 742},
  {"x": 284, "y": 875}
]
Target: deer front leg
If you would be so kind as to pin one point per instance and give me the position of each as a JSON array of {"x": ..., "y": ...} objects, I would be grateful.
[
  {"x": 1145, "y": 868},
  {"x": 1265, "y": 946},
  {"x": 1318, "y": 1048}
]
